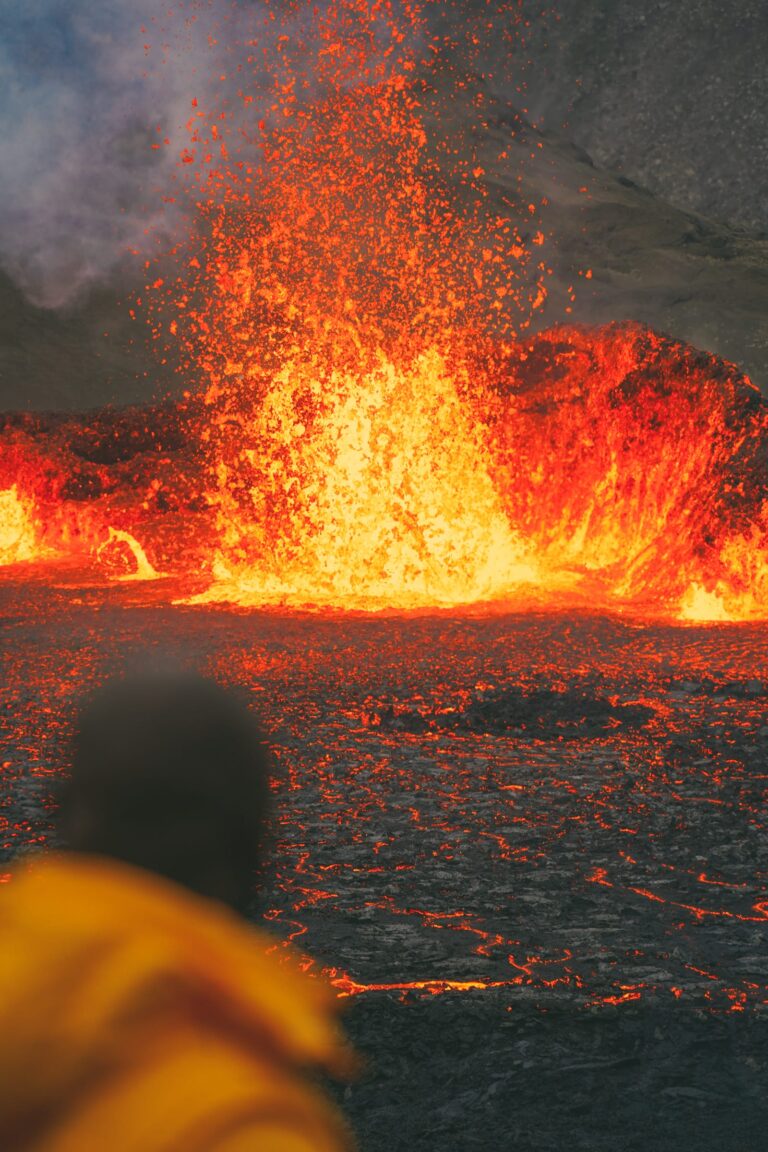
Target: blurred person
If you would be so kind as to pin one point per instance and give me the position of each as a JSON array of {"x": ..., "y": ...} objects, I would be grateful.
[{"x": 139, "y": 1010}]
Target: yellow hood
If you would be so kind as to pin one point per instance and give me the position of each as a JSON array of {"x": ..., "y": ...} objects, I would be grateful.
[{"x": 100, "y": 963}]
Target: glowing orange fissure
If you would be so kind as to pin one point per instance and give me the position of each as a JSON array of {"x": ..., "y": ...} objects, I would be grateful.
[{"x": 370, "y": 434}]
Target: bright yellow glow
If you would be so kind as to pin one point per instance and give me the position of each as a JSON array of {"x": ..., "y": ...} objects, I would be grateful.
[
  {"x": 18, "y": 537},
  {"x": 701, "y": 605},
  {"x": 390, "y": 500},
  {"x": 110, "y": 552}
]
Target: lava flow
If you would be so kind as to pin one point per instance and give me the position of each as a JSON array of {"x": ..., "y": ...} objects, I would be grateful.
[{"x": 377, "y": 427}]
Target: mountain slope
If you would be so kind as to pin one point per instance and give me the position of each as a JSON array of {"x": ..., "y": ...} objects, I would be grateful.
[{"x": 695, "y": 279}]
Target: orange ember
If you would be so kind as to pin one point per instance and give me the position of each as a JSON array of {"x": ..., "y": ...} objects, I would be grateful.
[{"x": 377, "y": 428}]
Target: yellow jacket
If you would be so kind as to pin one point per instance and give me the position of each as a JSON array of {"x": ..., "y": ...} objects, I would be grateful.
[{"x": 138, "y": 1017}]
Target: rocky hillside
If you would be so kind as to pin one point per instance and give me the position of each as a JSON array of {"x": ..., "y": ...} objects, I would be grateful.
[{"x": 671, "y": 93}]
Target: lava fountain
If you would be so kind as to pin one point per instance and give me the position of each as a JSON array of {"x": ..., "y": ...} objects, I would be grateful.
[{"x": 328, "y": 302}]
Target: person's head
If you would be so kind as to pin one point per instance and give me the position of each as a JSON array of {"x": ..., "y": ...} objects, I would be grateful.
[{"x": 169, "y": 773}]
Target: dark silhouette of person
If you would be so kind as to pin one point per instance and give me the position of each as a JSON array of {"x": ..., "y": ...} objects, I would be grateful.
[{"x": 140, "y": 1010}]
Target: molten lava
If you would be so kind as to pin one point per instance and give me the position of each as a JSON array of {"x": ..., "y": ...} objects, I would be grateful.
[
  {"x": 388, "y": 501},
  {"x": 123, "y": 556},
  {"x": 429, "y": 493},
  {"x": 377, "y": 427},
  {"x": 18, "y": 534}
]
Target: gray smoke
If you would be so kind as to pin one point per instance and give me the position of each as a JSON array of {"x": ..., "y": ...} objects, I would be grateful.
[
  {"x": 95, "y": 100},
  {"x": 81, "y": 101}
]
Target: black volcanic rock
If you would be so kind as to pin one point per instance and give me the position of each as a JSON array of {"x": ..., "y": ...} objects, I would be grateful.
[
  {"x": 548, "y": 713},
  {"x": 669, "y": 94},
  {"x": 730, "y": 690},
  {"x": 543, "y": 713}
]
